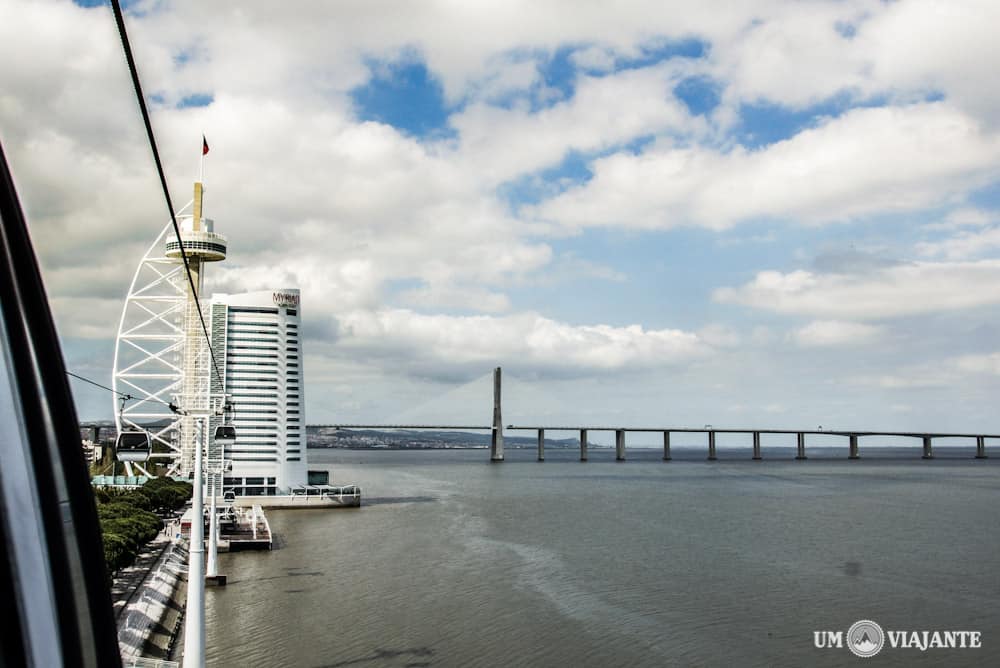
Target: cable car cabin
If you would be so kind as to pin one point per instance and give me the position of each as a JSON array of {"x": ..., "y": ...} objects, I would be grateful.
[
  {"x": 225, "y": 435},
  {"x": 132, "y": 446}
]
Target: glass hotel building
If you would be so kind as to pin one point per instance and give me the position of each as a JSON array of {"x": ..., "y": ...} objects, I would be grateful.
[{"x": 263, "y": 377}]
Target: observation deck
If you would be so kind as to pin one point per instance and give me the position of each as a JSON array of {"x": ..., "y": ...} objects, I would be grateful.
[{"x": 203, "y": 244}]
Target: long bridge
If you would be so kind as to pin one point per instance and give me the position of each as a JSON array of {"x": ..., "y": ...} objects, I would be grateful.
[
  {"x": 497, "y": 430},
  {"x": 497, "y": 449}
]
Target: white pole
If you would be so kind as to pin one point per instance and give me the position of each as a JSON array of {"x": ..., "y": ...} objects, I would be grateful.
[
  {"x": 194, "y": 612},
  {"x": 213, "y": 533}
]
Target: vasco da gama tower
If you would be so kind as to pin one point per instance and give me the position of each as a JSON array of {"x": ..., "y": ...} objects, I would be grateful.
[{"x": 161, "y": 357}]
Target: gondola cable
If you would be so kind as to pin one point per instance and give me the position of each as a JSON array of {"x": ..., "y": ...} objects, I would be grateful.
[
  {"x": 120, "y": 20},
  {"x": 124, "y": 395}
]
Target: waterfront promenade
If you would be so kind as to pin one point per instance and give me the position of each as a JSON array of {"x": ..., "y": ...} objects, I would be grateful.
[{"x": 148, "y": 597}]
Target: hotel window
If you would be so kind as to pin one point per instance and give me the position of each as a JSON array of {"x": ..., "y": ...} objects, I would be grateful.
[{"x": 251, "y": 309}]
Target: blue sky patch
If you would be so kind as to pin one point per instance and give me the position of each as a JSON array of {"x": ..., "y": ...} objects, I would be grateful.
[
  {"x": 846, "y": 29},
  {"x": 533, "y": 188},
  {"x": 405, "y": 95},
  {"x": 559, "y": 72},
  {"x": 665, "y": 50},
  {"x": 196, "y": 100},
  {"x": 764, "y": 123},
  {"x": 986, "y": 198},
  {"x": 700, "y": 94},
  {"x": 126, "y": 5}
]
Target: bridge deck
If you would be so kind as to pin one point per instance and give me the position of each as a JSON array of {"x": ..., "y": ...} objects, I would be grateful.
[{"x": 704, "y": 430}]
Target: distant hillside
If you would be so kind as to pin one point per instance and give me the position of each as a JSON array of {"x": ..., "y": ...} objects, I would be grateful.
[{"x": 416, "y": 440}]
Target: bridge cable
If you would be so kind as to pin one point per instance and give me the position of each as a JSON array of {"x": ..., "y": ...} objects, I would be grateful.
[{"x": 134, "y": 72}]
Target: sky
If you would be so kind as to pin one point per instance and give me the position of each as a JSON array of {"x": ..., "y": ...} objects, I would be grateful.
[{"x": 779, "y": 214}]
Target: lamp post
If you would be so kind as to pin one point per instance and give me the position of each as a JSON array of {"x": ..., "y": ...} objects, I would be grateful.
[
  {"x": 215, "y": 471},
  {"x": 194, "y": 612}
]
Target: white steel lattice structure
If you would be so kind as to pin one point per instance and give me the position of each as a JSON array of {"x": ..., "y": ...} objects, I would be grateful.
[
  {"x": 161, "y": 355},
  {"x": 149, "y": 349}
]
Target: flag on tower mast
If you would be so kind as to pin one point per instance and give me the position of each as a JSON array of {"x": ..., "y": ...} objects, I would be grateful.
[{"x": 201, "y": 160}]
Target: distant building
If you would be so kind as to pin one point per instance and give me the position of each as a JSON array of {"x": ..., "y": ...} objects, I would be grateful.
[
  {"x": 92, "y": 452},
  {"x": 259, "y": 332}
]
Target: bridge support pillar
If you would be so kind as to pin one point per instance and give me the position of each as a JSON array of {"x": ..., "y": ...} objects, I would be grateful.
[
  {"x": 853, "y": 448},
  {"x": 711, "y": 446},
  {"x": 980, "y": 447},
  {"x": 496, "y": 445},
  {"x": 801, "y": 446},
  {"x": 541, "y": 445},
  {"x": 666, "y": 446},
  {"x": 928, "y": 450},
  {"x": 583, "y": 445},
  {"x": 756, "y": 446},
  {"x": 620, "y": 445}
]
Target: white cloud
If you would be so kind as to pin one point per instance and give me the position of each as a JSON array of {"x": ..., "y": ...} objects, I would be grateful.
[
  {"x": 963, "y": 245},
  {"x": 594, "y": 58},
  {"x": 943, "y": 373},
  {"x": 988, "y": 363},
  {"x": 520, "y": 341},
  {"x": 720, "y": 336},
  {"x": 499, "y": 144},
  {"x": 901, "y": 290},
  {"x": 454, "y": 297},
  {"x": 964, "y": 217},
  {"x": 799, "y": 54},
  {"x": 794, "y": 55},
  {"x": 507, "y": 77},
  {"x": 936, "y": 46},
  {"x": 867, "y": 161},
  {"x": 824, "y": 333}
]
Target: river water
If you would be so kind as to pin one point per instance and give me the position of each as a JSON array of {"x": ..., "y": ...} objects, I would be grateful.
[{"x": 453, "y": 561}]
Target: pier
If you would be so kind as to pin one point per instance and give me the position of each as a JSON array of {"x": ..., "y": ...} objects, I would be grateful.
[{"x": 246, "y": 530}]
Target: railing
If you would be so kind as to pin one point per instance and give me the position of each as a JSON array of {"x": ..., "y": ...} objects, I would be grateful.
[
  {"x": 263, "y": 519},
  {"x": 146, "y": 662}
]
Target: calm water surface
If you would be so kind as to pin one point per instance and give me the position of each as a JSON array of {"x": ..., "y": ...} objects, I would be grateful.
[{"x": 456, "y": 562}]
